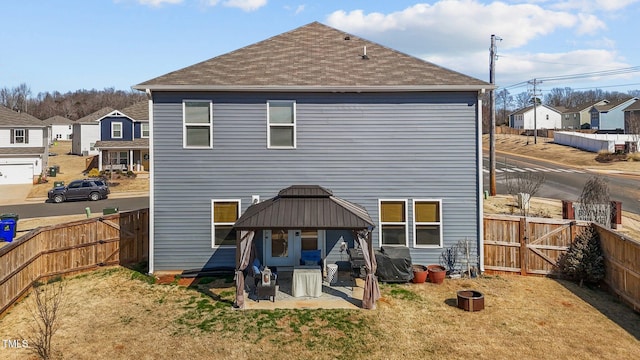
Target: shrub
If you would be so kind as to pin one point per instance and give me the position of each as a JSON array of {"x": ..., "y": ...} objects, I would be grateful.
[
  {"x": 584, "y": 261},
  {"x": 94, "y": 173}
]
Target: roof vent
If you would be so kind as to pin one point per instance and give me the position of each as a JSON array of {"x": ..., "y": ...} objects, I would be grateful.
[
  {"x": 347, "y": 37},
  {"x": 364, "y": 54}
]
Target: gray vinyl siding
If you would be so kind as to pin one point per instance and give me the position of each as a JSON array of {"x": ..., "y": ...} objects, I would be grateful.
[{"x": 363, "y": 147}]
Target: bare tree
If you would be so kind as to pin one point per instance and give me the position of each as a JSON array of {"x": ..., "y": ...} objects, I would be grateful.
[
  {"x": 595, "y": 201},
  {"x": 504, "y": 101},
  {"x": 527, "y": 184},
  {"x": 522, "y": 100},
  {"x": 45, "y": 310}
]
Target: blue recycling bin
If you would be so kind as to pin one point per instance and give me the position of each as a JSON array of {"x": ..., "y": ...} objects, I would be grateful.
[{"x": 7, "y": 229}]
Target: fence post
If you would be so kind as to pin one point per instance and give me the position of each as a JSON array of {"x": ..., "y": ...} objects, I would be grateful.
[
  {"x": 522, "y": 237},
  {"x": 567, "y": 210}
]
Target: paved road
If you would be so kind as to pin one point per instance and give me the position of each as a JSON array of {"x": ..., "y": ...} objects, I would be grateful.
[
  {"x": 44, "y": 209},
  {"x": 563, "y": 182}
]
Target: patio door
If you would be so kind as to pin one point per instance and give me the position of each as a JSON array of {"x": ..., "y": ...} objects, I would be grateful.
[{"x": 279, "y": 247}]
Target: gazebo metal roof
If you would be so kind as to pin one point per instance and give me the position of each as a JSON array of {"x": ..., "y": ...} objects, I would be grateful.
[{"x": 305, "y": 207}]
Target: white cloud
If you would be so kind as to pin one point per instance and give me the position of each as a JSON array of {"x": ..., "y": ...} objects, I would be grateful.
[
  {"x": 456, "y": 34},
  {"x": 246, "y": 5},
  {"x": 157, "y": 3},
  {"x": 300, "y": 9},
  {"x": 593, "y": 5},
  {"x": 457, "y": 25}
]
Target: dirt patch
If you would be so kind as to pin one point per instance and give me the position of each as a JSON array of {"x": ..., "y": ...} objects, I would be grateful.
[
  {"x": 72, "y": 167},
  {"x": 113, "y": 313}
]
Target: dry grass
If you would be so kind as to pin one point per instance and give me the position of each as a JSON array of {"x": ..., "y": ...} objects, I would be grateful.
[
  {"x": 113, "y": 314},
  {"x": 549, "y": 151},
  {"x": 72, "y": 167}
]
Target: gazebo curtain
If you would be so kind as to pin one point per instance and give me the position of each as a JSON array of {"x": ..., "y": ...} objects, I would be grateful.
[
  {"x": 244, "y": 247},
  {"x": 371, "y": 289}
]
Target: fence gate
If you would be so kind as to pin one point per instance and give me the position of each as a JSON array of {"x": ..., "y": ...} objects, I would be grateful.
[{"x": 526, "y": 245}]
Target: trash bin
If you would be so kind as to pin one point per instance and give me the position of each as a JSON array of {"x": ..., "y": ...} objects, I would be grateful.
[
  {"x": 57, "y": 167},
  {"x": 109, "y": 210},
  {"x": 58, "y": 183},
  {"x": 52, "y": 172},
  {"x": 13, "y": 217},
  {"x": 332, "y": 274},
  {"x": 7, "y": 230}
]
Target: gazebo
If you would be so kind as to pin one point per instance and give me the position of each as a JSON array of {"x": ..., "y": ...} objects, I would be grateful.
[{"x": 306, "y": 207}]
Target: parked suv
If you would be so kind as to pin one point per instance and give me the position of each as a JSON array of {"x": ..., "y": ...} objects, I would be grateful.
[{"x": 92, "y": 189}]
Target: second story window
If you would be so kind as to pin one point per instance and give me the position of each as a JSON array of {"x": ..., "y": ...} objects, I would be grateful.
[
  {"x": 145, "y": 130},
  {"x": 116, "y": 130},
  {"x": 281, "y": 119},
  {"x": 19, "y": 136},
  {"x": 198, "y": 124}
]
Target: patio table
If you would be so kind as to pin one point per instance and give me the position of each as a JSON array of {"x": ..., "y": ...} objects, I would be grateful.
[{"x": 306, "y": 281}]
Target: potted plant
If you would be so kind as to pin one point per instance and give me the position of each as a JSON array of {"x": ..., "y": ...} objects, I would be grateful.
[
  {"x": 419, "y": 274},
  {"x": 436, "y": 273}
]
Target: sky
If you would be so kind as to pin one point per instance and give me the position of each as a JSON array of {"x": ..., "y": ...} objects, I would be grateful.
[{"x": 69, "y": 45}]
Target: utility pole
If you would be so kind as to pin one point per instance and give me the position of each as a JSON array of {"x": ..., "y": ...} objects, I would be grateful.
[
  {"x": 492, "y": 122},
  {"x": 535, "y": 111}
]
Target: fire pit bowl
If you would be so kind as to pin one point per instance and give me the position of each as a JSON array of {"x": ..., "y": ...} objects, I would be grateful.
[{"x": 470, "y": 300}]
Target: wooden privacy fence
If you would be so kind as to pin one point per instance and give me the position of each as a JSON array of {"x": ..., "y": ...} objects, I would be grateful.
[
  {"x": 73, "y": 247},
  {"x": 531, "y": 246}
]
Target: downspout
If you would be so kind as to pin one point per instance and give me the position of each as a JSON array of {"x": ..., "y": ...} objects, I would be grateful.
[
  {"x": 480, "y": 219},
  {"x": 151, "y": 186}
]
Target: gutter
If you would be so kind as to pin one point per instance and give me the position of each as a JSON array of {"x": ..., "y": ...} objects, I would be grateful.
[{"x": 301, "y": 88}]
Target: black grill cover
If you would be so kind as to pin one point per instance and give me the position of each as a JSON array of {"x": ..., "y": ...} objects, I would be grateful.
[{"x": 394, "y": 264}]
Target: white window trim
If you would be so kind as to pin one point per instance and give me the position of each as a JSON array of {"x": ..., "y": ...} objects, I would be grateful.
[
  {"x": 113, "y": 129},
  {"x": 406, "y": 223},
  {"x": 269, "y": 125},
  {"x": 16, "y": 136},
  {"x": 213, "y": 224},
  {"x": 142, "y": 130},
  {"x": 185, "y": 124},
  {"x": 415, "y": 224}
]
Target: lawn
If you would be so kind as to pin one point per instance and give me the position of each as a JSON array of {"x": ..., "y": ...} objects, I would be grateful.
[{"x": 116, "y": 313}]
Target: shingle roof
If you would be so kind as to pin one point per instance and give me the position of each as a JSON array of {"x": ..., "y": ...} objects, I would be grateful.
[
  {"x": 9, "y": 117},
  {"x": 305, "y": 207},
  {"x": 611, "y": 105},
  {"x": 132, "y": 144},
  {"x": 22, "y": 151},
  {"x": 635, "y": 106},
  {"x": 314, "y": 57},
  {"x": 528, "y": 108},
  {"x": 96, "y": 115},
  {"x": 584, "y": 106},
  {"x": 57, "y": 120},
  {"x": 138, "y": 111}
]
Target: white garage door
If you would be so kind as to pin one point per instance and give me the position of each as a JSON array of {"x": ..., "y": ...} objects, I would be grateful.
[{"x": 16, "y": 174}]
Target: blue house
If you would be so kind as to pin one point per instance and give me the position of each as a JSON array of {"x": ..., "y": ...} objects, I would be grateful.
[
  {"x": 124, "y": 139},
  {"x": 610, "y": 116},
  {"x": 303, "y": 140}
]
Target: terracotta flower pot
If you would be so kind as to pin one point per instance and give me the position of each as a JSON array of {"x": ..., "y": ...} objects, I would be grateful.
[
  {"x": 419, "y": 274},
  {"x": 436, "y": 273}
]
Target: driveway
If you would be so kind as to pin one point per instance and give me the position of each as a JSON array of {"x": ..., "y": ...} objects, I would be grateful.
[{"x": 14, "y": 194}]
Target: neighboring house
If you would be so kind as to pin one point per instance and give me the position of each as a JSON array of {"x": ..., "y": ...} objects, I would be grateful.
[
  {"x": 544, "y": 117},
  {"x": 577, "y": 116},
  {"x": 86, "y": 132},
  {"x": 610, "y": 117},
  {"x": 23, "y": 147},
  {"x": 124, "y": 139},
  {"x": 392, "y": 141},
  {"x": 60, "y": 128},
  {"x": 632, "y": 118}
]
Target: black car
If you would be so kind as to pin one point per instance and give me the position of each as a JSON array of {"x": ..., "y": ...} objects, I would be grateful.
[{"x": 91, "y": 189}]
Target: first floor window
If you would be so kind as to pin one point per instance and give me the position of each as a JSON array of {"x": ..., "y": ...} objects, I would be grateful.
[
  {"x": 393, "y": 222},
  {"x": 198, "y": 124},
  {"x": 427, "y": 223},
  {"x": 225, "y": 214}
]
